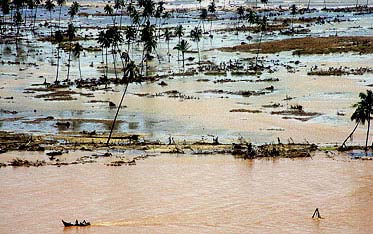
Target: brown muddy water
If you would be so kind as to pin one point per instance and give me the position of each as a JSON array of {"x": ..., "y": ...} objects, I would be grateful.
[{"x": 189, "y": 194}]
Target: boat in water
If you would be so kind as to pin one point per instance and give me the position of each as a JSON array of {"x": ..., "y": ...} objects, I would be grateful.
[{"x": 76, "y": 224}]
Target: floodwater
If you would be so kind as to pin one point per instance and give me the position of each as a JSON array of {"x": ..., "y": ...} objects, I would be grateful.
[
  {"x": 209, "y": 114},
  {"x": 189, "y": 194}
]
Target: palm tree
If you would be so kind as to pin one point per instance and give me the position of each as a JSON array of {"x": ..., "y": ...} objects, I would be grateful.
[
  {"x": 211, "y": 8},
  {"x": 179, "y": 32},
  {"x": 263, "y": 27},
  {"x": 105, "y": 41},
  {"x": 130, "y": 74},
  {"x": 60, "y": 3},
  {"x": 167, "y": 37},
  {"x": 5, "y": 8},
  {"x": 118, "y": 5},
  {"x": 76, "y": 50},
  {"x": 73, "y": 10},
  {"x": 37, "y": 3},
  {"x": 130, "y": 35},
  {"x": 150, "y": 43},
  {"x": 183, "y": 46},
  {"x": 116, "y": 37},
  {"x": 71, "y": 30},
  {"x": 362, "y": 114},
  {"x": 251, "y": 18},
  {"x": 109, "y": 11},
  {"x": 159, "y": 11},
  {"x": 30, "y": 5},
  {"x": 49, "y": 6},
  {"x": 18, "y": 21},
  {"x": 58, "y": 37},
  {"x": 203, "y": 17},
  {"x": 196, "y": 35},
  {"x": 148, "y": 11},
  {"x": 293, "y": 12}
]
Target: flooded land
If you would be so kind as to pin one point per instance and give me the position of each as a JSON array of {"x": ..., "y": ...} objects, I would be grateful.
[{"x": 186, "y": 116}]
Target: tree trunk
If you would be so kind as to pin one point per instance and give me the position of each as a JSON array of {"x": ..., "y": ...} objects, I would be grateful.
[
  {"x": 183, "y": 61},
  {"x": 69, "y": 62},
  {"x": 80, "y": 70},
  {"x": 59, "y": 18},
  {"x": 366, "y": 140},
  {"x": 168, "y": 51},
  {"x": 106, "y": 70},
  {"x": 116, "y": 114},
  {"x": 114, "y": 54},
  {"x": 58, "y": 62},
  {"x": 257, "y": 53},
  {"x": 199, "y": 55},
  {"x": 349, "y": 136},
  {"x": 33, "y": 24}
]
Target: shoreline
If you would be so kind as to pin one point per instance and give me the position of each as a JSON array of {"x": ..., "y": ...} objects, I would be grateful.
[{"x": 50, "y": 150}]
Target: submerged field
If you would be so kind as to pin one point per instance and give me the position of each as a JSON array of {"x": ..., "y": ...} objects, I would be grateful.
[{"x": 277, "y": 80}]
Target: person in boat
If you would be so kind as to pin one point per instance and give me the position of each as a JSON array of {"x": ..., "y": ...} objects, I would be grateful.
[
  {"x": 76, "y": 222},
  {"x": 84, "y": 222}
]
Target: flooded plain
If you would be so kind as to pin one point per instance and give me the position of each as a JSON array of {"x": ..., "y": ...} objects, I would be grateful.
[{"x": 184, "y": 193}]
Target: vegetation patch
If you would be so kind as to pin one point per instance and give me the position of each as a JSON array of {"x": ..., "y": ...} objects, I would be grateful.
[{"x": 246, "y": 111}]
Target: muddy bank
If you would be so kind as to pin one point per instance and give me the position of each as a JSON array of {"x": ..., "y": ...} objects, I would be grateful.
[
  {"x": 310, "y": 45},
  {"x": 57, "y": 150}
]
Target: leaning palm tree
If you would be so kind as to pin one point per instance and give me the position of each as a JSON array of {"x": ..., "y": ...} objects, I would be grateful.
[
  {"x": 183, "y": 46},
  {"x": 362, "y": 114},
  {"x": 130, "y": 74},
  {"x": 196, "y": 35}
]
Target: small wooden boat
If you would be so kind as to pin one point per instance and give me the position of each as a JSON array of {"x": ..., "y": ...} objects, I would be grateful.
[{"x": 76, "y": 224}]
